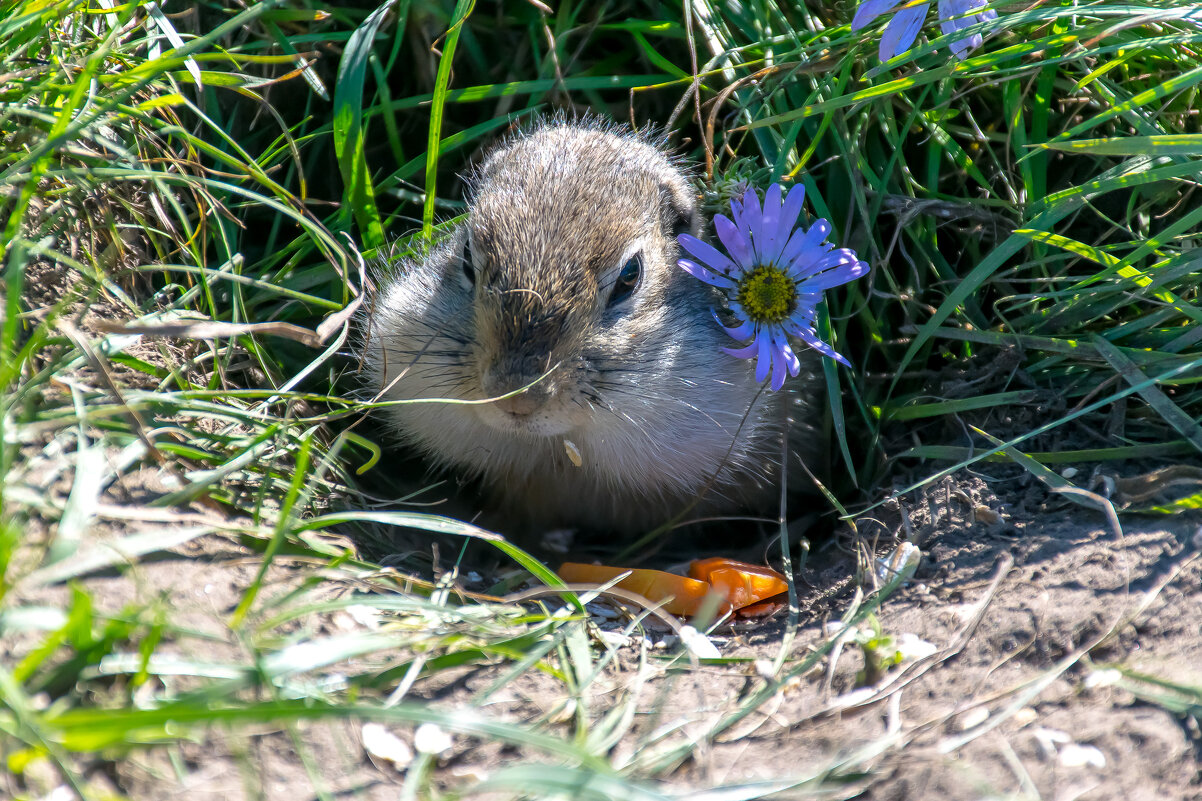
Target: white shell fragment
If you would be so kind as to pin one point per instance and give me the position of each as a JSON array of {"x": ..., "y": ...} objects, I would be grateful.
[
  {"x": 911, "y": 646},
  {"x": 1059, "y": 745},
  {"x": 1075, "y": 755},
  {"x": 573, "y": 453},
  {"x": 903, "y": 561},
  {"x": 384, "y": 745},
  {"x": 1102, "y": 677},
  {"x": 698, "y": 644},
  {"x": 1047, "y": 739},
  {"x": 973, "y": 718},
  {"x": 431, "y": 739}
]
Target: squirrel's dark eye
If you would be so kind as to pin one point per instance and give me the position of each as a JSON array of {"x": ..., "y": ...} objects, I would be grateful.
[
  {"x": 469, "y": 269},
  {"x": 628, "y": 279}
]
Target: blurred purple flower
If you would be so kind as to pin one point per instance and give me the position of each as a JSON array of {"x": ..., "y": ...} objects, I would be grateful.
[
  {"x": 773, "y": 277},
  {"x": 956, "y": 15},
  {"x": 900, "y": 32}
]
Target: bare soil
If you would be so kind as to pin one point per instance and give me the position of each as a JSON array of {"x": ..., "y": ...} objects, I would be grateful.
[{"x": 1022, "y": 613}]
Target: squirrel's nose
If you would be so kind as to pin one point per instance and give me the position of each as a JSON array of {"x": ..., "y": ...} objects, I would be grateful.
[
  {"x": 504, "y": 379},
  {"x": 523, "y": 404}
]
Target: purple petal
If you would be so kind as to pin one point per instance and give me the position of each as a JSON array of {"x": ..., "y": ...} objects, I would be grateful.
[
  {"x": 812, "y": 261},
  {"x": 784, "y": 360},
  {"x": 817, "y": 284},
  {"x": 707, "y": 254},
  {"x": 735, "y": 241},
  {"x": 766, "y": 247},
  {"x": 804, "y": 317},
  {"x": 870, "y": 10},
  {"x": 743, "y": 208},
  {"x": 956, "y": 15},
  {"x": 900, "y": 32},
  {"x": 778, "y": 372},
  {"x": 835, "y": 272},
  {"x": 700, "y": 273},
  {"x": 744, "y": 353},
  {"x": 962, "y": 47},
  {"x": 741, "y": 332},
  {"x": 789, "y": 213},
  {"x": 786, "y": 353},
  {"x": 809, "y": 244},
  {"x": 752, "y": 215},
  {"x": 811, "y": 339},
  {"x": 736, "y": 308},
  {"x": 951, "y": 14},
  {"x": 828, "y": 260},
  {"x": 736, "y": 214},
  {"x": 764, "y": 343},
  {"x": 751, "y": 203}
]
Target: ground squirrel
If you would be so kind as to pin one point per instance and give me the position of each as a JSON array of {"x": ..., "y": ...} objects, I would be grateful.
[{"x": 563, "y": 278}]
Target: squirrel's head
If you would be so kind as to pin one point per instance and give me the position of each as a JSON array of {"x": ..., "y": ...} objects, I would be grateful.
[{"x": 570, "y": 254}]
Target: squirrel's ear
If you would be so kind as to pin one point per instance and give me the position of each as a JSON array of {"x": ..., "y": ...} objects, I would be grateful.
[{"x": 680, "y": 206}]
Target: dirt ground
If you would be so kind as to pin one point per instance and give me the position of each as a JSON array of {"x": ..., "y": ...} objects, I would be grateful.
[
  {"x": 1010, "y": 706},
  {"x": 1022, "y": 614}
]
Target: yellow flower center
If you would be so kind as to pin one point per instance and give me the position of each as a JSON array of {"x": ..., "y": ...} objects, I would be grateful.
[{"x": 767, "y": 294}]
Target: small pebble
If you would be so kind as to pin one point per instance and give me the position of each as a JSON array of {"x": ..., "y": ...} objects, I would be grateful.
[
  {"x": 602, "y": 611},
  {"x": 614, "y": 639}
]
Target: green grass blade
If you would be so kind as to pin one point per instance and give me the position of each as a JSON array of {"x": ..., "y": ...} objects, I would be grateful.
[{"x": 462, "y": 9}]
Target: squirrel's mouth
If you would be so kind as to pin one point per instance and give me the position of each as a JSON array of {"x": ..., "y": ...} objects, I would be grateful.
[{"x": 523, "y": 420}]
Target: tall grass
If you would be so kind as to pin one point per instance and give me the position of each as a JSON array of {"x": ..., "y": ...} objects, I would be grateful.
[{"x": 187, "y": 197}]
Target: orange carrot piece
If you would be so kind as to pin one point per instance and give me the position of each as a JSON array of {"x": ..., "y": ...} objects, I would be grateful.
[
  {"x": 687, "y": 594},
  {"x": 701, "y": 568},
  {"x": 762, "y": 610},
  {"x": 741, "y": 583}
]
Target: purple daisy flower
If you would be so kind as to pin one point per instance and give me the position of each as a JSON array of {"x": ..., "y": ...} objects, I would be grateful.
[
  {"x": 773, "y": 278},
  {"x": 900, "y": 32}
]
